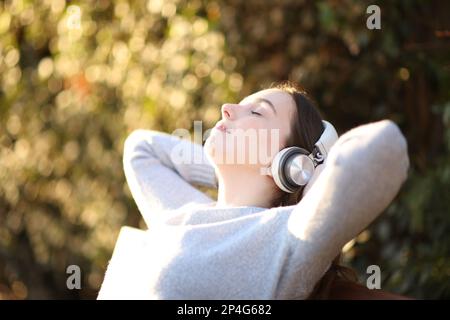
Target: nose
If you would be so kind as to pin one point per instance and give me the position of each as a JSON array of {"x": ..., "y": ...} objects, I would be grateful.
[{"x": 229, "y": 111}]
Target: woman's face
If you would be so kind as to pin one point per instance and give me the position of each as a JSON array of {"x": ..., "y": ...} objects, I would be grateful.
[{"x": 253, "y": 131}]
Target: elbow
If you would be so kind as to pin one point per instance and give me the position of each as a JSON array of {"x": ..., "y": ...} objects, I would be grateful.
[
  {"x": 138, "y": 138},
  {"x": 136, "y": 145},
  {"x": 398, "y": 148},
  {"x": 390, "y": 149},
  {"x": 132, "y": 141},
  {"x": 134, "y": 138},
  {"x": 379, "y": 146}
]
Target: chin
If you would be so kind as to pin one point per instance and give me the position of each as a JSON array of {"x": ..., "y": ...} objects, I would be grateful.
[
  {"x": 211, "y": 151},
  {"x": 209, "y": 148}
]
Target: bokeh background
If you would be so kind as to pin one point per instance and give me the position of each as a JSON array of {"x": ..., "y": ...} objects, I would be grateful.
[{"x": 76, "y": 77}]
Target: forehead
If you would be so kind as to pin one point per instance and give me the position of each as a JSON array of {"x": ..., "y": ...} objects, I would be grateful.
[{"x": 282, "y": 101}]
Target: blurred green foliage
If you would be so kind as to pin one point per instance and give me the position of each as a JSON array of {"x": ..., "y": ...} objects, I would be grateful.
[{"x": 77, "y": 77}]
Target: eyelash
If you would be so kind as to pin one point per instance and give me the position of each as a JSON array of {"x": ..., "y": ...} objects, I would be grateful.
[{"x": 257, "y": 113}]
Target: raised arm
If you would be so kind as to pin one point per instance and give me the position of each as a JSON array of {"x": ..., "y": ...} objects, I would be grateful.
[
  {"x": 363, "y": 173},
  {"x": 160, "y": 169}
]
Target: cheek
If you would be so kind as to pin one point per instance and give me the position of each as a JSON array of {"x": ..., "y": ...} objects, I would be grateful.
[
  {"x": 281, "y": 135},
  {"x": 248, "y": 123},
  {"x": 272, "y": 142},
  {"x": 259, "y": 145}
]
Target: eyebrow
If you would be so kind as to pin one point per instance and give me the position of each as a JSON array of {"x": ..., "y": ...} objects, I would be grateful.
[{"x": 268, "y": 102}]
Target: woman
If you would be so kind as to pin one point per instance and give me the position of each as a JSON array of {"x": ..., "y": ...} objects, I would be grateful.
[{"x": 258, "y": 241}]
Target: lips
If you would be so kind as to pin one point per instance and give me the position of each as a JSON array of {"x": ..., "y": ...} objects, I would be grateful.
[{"x": 220, "y": 126}]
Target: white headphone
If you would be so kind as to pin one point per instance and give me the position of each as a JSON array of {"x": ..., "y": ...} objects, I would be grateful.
[{"x": 294, "y": 167}]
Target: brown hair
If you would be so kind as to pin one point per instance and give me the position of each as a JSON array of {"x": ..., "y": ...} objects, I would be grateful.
[{"x": 307, "y": 127}]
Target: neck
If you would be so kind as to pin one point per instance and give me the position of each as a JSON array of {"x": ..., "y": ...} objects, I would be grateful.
[{"x": 243, "y": 187}]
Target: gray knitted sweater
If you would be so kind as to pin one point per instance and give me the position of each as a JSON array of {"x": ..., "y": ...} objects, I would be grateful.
[{"x": 199, "y": 251}]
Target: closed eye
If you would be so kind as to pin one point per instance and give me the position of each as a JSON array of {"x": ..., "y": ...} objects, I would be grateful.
[{"x": 257, "y": 113}]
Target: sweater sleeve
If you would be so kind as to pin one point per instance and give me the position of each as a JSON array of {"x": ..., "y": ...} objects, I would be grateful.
[
  {"x": 363, "y": 173},
  {"x": 160, "y": 170}
]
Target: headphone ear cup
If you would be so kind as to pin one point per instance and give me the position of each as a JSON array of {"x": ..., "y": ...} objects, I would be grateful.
[
  {"x": 292, "y": 168},
  {"x": 300, "y": 169}
]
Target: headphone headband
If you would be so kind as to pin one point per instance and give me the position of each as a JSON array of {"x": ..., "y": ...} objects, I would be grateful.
[{"x": 325, "y": 142}]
